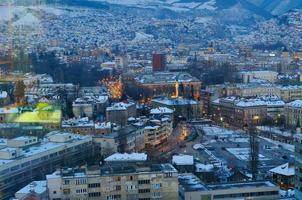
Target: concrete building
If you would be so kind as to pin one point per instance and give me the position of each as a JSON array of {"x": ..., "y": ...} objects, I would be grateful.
[
  {"x": 119, "y": 113},
  {"x": 187, "y": 108},
  {"x": 127, "y": 139},
  {"x": 242, "y": 111},
  {"x": 164, "y": 83},
  {"x": 162, "y": 111},
  {"x": 293, "y": 113},
  {"x": 156, "y": 132},
  {"x": 249, "y": 76},
  {"x": 251, "y": 90},
  {"x": 159, "y": 62},
  {"x": 115, "y": 181},
  {"x": 89, "y": 106},
  {"x": 24, "y": 159},
  {"x": 84, "y": 126},
  {"x": 291, "y": 93},
  {"x": 191, "y": 188}
]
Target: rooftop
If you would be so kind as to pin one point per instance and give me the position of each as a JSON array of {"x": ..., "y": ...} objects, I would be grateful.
[
  {"x": 183, "y": 160},
  {"x": 285, "y": 170},
  {"x": 166, "y": 77},
  {"x": 127, "y": 157},
  {"x": 134, "y": 168},
  {"x": 295, "y": 104},
  {"x": 174, "y": 101},
  {"x": 39, "y": 187}
]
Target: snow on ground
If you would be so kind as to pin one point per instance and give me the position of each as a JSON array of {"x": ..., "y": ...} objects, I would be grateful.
[
  {"x": 213, "y": 131},
  {"x": 198, "y": 146},
  {"x": 275, "y": 130},
  {"x": 186, "y": 5},
  {"x": 7, "y": 13},
  {"x": 48, "y": 9},
  {"x": 243, "y": 153},
  {"x": 203, "y": 20},
  {"x": 210, "y": 5},
  {"x": 28, "y": 20},
  {"x": 289, "y": 147},
  {"x": 131, "y": 2},
  {"x": 140, "y": 36}
]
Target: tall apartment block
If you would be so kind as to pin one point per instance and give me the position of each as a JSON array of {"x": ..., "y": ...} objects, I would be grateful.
[{"x": 123, "y": 181}]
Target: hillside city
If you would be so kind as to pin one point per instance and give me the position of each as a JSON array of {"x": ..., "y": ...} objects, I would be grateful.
[{"x": 150, "y": 100}]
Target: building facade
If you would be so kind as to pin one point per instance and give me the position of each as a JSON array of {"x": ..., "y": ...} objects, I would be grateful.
[
  {"x": 124, "y": 182},
  {"x": 25, "y": 158}
]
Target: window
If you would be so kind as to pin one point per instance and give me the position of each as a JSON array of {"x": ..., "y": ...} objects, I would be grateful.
[
  {"x": 157, "y": 194},
  {"x": 66, "y": 191},
  {"x": 118, "y": 188},
  {"x": 144, "y": 191},
  {"x": 94, "y": 194},
  {"x": 156, "y": 185},
  {"x": 143, "y": 182},
  {"x": 94, "y": 185},
  {"x": 81, "y": 181},
  {"x": 66, "y": 182},
  {"x": 81, "y": 191}
]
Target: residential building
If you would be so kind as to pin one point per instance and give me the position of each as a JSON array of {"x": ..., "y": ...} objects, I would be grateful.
[
  {"x": 90, "y": 106},
  {"x": 24, "y": 159},
  {"x": 242, "y": 111},
  {"x": 293, "y": 113},
  {"x": 159, "y": 62},
  {"x": 115, "y": 181},
  {"x": 119, "y": 113},
  {"x": 249, "y": 76},
  {"x": 157, "y": 131},
  {"x": 129, "y": 138}
]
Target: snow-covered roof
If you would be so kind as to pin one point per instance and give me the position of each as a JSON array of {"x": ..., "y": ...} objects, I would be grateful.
[
  {"x": 39, "y": 187},
  {"x": 127, "y": 157},
  {"x": 285, "y": 170},
  {"x": 119, "y": 106},
  {"x": 296, "y": 104},
  {"x": 183, "y": 160},
  {"x": 161, "y": 110},
  {"x": 204, "y": 167},
  {"x": 3, "y": 94}
]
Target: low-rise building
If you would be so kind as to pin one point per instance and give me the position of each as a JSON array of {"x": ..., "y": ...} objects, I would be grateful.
[
  {"x": 191, "y": 188},
  {"x": 283, "y": 175},
  {"x": 35, "y": 190}
]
